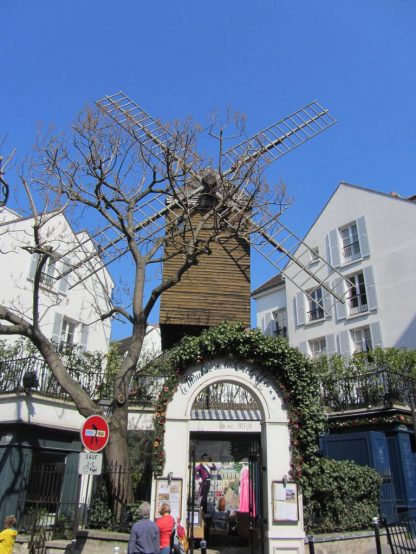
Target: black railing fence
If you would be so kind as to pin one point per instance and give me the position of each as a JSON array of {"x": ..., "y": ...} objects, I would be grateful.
[
  {"x": 58, "y": 501},
  {"x": 14, "y": 374},
  {"x": 374, "y": 388}
]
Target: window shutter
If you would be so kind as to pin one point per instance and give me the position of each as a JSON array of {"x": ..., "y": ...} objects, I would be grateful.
[
  {"x": 376, "y": 339},
  {"x": 334, "y": 252},
  {"x": 344, "y": 343},
  {"x": 370, "y": 288},
  {"x": 327, "y": 302},
  {"x": 340, "y": 308},
  {"x": 64, "y": 281},
  {"x": 56, "y": 330},
  {"x": 303, "y": 347},
  {"x": 84, "y": 337},
  {"x": 331, "y": 347},
  {"x": 33, "y": 266},
  {"x": 363, "y": 237},
  {"x": 267, "y": 320},
  {"x": 300, "y": 308}
]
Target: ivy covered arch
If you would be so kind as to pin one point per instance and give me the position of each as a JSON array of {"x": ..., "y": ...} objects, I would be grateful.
[{"x": 292, "y": 372}]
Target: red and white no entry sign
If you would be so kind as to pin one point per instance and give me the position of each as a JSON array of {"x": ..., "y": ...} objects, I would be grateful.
[{"x": 95, "y": 433}]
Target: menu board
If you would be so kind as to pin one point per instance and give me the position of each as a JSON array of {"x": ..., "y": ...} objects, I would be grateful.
[
  {"x": 169, "y": 491},
  {"x": 285, "y": 502}
]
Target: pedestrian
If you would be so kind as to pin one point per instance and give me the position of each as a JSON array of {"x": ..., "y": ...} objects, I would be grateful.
[
  {"x": 8, "y": 535},
  {"x": 144, "y": 535},
  {"x": 166, "y": 523}
]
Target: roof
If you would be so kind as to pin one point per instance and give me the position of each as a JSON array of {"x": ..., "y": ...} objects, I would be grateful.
[{"x": 270, "y": 284}]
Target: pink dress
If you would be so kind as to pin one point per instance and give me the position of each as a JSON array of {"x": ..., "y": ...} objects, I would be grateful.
[{"x": 245, "y": 486}]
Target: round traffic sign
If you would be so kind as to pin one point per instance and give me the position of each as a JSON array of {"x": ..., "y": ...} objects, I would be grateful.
[{"x": 95, "y": 433}]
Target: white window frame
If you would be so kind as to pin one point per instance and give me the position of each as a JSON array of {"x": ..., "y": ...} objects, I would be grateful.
[
  {"x": 350, "y": 243},
  {"x": 361, "y": 339},
  {"x": 357, "y": 296},
  {"x": 69, "y": 332},
  {"x": 280, "y": 319},
  {"x": 315, "y": 305},
  {"x": 317, "y": 347}
]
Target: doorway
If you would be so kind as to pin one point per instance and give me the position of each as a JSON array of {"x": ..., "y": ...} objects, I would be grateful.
[{"x": 225, "y": 501}]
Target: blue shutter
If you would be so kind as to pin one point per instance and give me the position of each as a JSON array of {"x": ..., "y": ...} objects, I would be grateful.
[
  {"x": 327, "y": 302},
  {"x": 84, "y": 337},
  {"x": 340, "y": 308},
  {"x": 363, "y": 237},
  {"x": 33, "y": 266},
  {"x": 56, "y": 330},
  {"x": 266, "y": 323},
  {"x": 303, "y": 347},
  {"x": 63, "y": 282},
  {"x": 331, "y": 347},
  {"x": 376, "y": 339},
  {"x": 344, "y": 343},
  {"x": 370, "y": 288},
  {"x": 334, "y": 252},
  {"x": 300, "y": 308}
]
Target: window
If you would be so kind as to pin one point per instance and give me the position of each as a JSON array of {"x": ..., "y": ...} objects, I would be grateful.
[
  {"x": 361, "y": 339},
  {"x": 314, "y": 252},
  {"x": 350, "y": 243},
  {"x": 280, "y": 319},
  {"x": 357, "y": 295},
  {"x": 47, "y": 277},
  {"x": 67, "y": 340},
  {"x": 317, "y": 347},
  {"x": 315, "y": 310}
]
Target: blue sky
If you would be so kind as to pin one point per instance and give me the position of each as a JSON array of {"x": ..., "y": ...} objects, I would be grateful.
[{"x": 265, "y": 59}]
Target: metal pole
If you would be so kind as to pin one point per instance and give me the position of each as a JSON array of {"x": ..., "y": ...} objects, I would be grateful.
[
  {"x": 376, "y": 525},
  {"x": 311, "y": 544},
  {"x": 203, "y": 545}
]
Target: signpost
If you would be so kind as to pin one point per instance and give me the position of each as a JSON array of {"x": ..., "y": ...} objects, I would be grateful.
[
  {"x": 95, "y": 433},
  {"x": 90, "y": 463}
]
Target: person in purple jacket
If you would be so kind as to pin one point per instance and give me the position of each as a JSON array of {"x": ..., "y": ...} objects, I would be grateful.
[{"x": 144, "y": 535}]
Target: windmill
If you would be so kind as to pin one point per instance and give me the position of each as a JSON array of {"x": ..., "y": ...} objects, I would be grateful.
[{"x": 219, "y": 288}]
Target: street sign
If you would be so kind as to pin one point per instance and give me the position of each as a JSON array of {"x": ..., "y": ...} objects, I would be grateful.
[
  {"x": 90, "y": 463},
  {"x": 95, "y": 433}
]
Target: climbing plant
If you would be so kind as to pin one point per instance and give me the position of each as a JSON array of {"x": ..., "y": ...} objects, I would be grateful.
[{"x": 292, "y": 372}]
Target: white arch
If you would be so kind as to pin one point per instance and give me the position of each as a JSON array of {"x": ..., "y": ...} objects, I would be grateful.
[{"x": 244, "y": 374}]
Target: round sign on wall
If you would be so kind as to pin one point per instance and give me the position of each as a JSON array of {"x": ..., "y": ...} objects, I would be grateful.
[{"x": 95, "y": 433}]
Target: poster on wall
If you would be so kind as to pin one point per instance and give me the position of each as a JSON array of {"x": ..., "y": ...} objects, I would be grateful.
[
  {"x": 285, "y": 502},
  {"x": 169, "y": 491}
]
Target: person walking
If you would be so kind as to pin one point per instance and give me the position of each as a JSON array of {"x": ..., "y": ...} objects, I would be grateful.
[
  {"x": 166, "y": 523},
  {"x": 144, "y": 535},
  {"x": 8, "y": 535}
]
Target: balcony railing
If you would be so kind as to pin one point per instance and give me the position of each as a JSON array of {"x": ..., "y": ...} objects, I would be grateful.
[
  {"x": 145, "y": 387},
  {"x": 375, "y": 388}
]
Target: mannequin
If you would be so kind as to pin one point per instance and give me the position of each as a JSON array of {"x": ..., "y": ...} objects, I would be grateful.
[
  {"x": 203, "y": 477},
  {"x": 245, "y": 486}
]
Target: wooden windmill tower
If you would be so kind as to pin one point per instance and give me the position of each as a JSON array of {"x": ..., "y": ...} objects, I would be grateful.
[{"x": 218, "y": 287}]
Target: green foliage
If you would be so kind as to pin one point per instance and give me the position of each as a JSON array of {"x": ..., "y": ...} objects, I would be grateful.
[
  {"x": 101, "y": 516},
  {"x": 340, "y": 495},
  {"x": 293, "y": 373}
]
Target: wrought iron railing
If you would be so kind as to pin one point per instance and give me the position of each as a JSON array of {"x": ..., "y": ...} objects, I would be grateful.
[
  {"x": 374, "y": 388},
  {"x": 14, "y": 374}
]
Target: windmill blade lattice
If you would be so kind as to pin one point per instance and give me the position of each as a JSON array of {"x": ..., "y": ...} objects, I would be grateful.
[
  {"x": 277, "y": 140},
  {"x": 148, "y": 132}
]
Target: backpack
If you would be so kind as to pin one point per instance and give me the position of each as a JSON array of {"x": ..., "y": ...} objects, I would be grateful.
[{"x": 179, "y": 545}]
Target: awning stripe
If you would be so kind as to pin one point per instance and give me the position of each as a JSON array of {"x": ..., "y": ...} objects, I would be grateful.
[{"x": 233, "y": 415}]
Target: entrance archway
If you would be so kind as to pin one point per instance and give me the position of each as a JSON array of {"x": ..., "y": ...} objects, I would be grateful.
[{"x": 230, "y": 399}]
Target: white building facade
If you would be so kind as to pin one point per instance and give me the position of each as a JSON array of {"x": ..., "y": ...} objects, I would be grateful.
[
  {"x": 70, "y": 304},
  {"x": 370, "y": 239}
]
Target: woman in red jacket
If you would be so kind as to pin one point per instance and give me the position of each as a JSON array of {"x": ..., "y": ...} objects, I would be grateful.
[{"x": 166, "y": 523}]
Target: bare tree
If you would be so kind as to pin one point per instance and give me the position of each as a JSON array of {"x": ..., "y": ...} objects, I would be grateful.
[{"x": 140, "y": 210}]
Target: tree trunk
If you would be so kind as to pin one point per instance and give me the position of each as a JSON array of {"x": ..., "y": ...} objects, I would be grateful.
[{"x": 116, "y": 453}]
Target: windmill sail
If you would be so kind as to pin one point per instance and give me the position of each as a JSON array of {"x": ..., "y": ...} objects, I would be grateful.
[{"x": 280, "y": 138}]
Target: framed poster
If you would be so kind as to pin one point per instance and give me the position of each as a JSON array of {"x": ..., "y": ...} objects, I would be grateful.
[
  {"x": 285, "y": 502},
  {"x": 170, "y": 492}
]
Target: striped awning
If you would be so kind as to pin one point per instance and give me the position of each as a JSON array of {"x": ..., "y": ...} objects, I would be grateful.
[{"x": 226, "y": 415}]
